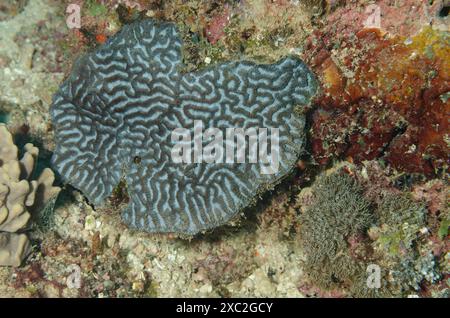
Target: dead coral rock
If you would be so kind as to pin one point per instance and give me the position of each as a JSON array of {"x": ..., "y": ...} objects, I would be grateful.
[
  {"x": 405, "y": 18},
  {"x": 394, "y": 90},
  {"x": 19, "y": 197},
  {"x": 215, "y": 30},
  {"x": 435, "y": 193}
]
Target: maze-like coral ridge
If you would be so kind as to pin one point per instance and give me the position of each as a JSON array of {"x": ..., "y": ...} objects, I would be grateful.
[{"x": 115, "y": 113}]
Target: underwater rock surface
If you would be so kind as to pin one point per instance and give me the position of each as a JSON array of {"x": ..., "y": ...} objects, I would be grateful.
[{"x": 114, "y": 115}]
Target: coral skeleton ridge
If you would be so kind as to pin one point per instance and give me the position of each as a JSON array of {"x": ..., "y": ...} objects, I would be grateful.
[
  {"x": 114, "y": 115},
  {"x": 20, "y": 197}
]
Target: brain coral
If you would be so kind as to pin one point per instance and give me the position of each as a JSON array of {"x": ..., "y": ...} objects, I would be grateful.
[
  {"x": 20, "y": 197},
  {"x": 114, "y": 115}
]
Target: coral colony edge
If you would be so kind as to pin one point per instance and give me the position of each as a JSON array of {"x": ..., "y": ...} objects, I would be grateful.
[{"x": 114, "y": 115}]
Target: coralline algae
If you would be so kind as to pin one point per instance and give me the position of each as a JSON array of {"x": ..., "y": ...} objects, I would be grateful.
[{"x": 114, "y": 115}]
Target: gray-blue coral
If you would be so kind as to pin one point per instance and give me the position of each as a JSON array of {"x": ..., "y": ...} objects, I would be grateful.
[{"x": 114, "y": 115}]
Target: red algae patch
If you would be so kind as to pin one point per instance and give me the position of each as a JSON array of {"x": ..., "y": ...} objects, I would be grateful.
[{"x": 394, "y": 88}]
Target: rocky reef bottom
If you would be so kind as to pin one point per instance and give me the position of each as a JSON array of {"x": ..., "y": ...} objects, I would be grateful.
[
  {"x": 319, "y": 241},
  {"x": 364, "y": 214}
]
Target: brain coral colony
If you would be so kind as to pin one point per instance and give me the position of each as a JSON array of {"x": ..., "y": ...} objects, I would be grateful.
[
  {"x": 21, "y": 197},
  {"x": 114, "y": 115}
]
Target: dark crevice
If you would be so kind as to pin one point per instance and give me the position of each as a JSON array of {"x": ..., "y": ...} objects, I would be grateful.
[
  {"x": 3, "y": 117},
  {"x": 443, "y": 12},
  {"x": 398, "y": 131}
]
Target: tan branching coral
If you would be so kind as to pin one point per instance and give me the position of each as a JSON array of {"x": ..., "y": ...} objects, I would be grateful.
[{"x": 20, "y": 197}]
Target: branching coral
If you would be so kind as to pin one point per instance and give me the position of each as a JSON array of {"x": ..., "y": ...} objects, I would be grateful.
[{"x": 20, "y": 197}]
